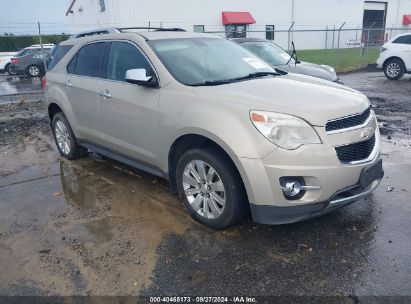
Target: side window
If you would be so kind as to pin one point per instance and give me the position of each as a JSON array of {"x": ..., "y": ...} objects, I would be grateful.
[
  {"x": 90, "y": 60},
  {"x": 71, "y": 67},
  {"x": 57, "y": 54},
  {"x": 403, "y": 40},
  {"x": 124, "y": 56}
]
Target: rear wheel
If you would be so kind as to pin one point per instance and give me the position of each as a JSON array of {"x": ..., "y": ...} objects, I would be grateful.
[
  {"x": 210, "y": 188},
  {"x": 394, "y": 69},
  {"x": 34, "y": 71},
  {"x": 65, "y": 140}
]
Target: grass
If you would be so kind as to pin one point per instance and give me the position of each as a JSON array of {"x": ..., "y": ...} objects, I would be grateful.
[{"x": 349, "y": 59}]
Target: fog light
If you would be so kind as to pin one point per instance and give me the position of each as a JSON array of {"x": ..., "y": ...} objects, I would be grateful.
[{"x": 293, "y": 187}]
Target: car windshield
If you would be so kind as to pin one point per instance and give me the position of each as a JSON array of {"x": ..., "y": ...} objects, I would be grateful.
[
  {"x": 268, "y": 51},
  {"x": 197, "y": 61}
]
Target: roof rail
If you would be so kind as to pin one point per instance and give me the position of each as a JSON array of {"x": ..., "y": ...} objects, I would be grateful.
[
  {"x": 95, "y": 32},
  {"x": 122, "y": 30},
  {"x": 159, "y": 29}
]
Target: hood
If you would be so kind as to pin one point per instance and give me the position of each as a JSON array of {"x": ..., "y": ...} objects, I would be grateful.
[
  {"x": 310, "y": 69},
  {"x": 312, "y": 99}
]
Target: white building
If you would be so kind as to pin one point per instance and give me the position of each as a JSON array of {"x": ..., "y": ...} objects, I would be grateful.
[{"x": 254, "y": 17}]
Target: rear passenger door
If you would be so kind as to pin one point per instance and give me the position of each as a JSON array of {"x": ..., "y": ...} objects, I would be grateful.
[
  {"x": 86, "y": 71},
  {"x": 128, "y": 111}
]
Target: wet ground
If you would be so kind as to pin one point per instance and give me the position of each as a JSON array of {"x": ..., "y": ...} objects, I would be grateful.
[
  {"x": 96, "y": 227},
  {"x": 12, "y": 88}
]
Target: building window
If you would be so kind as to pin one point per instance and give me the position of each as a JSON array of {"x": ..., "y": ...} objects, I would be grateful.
[
  {"x": 269, "y": 32},
  {"x": 199, "y": 28},
  {"x": 236, "y": 30},
  {"x": 102, "y": 6}
]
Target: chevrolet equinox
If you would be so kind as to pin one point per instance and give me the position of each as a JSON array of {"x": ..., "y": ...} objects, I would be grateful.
[{"x": 231, "y": 134}]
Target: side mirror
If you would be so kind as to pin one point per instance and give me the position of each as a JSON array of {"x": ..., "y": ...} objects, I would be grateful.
[{"x": 139, "y": 76}]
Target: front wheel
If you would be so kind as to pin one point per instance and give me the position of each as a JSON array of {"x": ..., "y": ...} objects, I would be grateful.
[
  {"x": 211, "y": 188},
  {"x": 11, "y": 70},
  {"x": 7, "y": 68},
  {"x": 394, "y": 69}
]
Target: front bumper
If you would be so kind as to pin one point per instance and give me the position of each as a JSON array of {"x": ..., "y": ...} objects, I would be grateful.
[
  {"x": 320, "y": 168},
  {"x": 380, "y": 62},
  {"x": 272, "y": 215}
]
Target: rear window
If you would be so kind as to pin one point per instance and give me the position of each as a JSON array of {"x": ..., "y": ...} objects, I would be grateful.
[
  {"x": 89, "y": 61},
  {"x": 24, "y": 52},
  {"x": 58, "y": 53}
]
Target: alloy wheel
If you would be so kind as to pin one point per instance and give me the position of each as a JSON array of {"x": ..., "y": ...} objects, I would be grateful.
[
  {"x": 34, "y": 71},
  {"x": 393, "y": 69},
  {"x": 62, "y": 137},
  {"x": 204, "y": 189}
]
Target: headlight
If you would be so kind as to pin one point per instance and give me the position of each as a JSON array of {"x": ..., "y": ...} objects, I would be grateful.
[
  {"x": 286, "y": 131},
  {"x": 383, "y": 49}
]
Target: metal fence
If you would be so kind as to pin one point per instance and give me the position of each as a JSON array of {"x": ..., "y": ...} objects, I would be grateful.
[
  {"x": 13, "y": 47},
  {"x": 343, "y": 48}
]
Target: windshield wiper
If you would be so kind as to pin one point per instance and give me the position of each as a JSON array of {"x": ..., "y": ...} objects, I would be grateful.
[
  {"x": 293, "y": 55},
  {"x": 227, "y": 81},
  {"x": 213, "y": 82},
  {"x": 257, "y": 75}
]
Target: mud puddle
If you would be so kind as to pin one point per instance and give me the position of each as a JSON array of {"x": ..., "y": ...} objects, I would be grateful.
[{"x": 76, "y": 228}]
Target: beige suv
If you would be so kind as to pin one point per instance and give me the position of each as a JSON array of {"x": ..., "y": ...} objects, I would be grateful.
[{"x": 230, "y": 133}]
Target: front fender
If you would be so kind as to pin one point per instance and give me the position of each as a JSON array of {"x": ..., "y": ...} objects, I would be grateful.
[{"x": 225, "y": 123}]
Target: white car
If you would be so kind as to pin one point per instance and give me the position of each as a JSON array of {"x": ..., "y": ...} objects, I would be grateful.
[
  {"x": 395, "y": 57},
  {"x": 5, "y": 61}
]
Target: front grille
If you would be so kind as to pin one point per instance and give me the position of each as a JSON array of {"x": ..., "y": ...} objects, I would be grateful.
[
  {"x": 356, "y": 152},
  {"x": 348, "y": 122}
]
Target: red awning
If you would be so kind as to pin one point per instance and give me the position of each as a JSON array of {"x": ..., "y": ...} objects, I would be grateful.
[
  {"x": 406, "y": 20},
  {"x": 237, "y": 18}
]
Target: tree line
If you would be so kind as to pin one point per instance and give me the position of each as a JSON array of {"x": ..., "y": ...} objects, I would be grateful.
[{"x": 10, "y": 43}]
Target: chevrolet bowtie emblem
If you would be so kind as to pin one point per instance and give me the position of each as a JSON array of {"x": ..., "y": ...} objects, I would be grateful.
[{"x": 366, "y": 133}]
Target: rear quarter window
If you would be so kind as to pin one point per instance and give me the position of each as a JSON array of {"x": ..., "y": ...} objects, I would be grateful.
[{"x": 58, "y": 54}]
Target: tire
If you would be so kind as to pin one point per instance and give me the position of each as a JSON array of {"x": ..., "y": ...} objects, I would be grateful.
[
  {"x": 194, "y": 196},
  {"x": 394, "y": 69},
  {"x": 34, "y": 71},
  {"x": 6, "y": 68},
  {"x": 64, "y": 137},
  {"x": 11, "y": 71}
]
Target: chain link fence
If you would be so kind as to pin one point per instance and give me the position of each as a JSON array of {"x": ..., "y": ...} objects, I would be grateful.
[
  {"x": 15, "y": 51},
  {"x": 345, "y": 49}
]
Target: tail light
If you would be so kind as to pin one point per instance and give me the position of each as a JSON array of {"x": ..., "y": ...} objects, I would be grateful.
[
  {"x": 43, "y": 82},
  {"x": 15, "y": 60}
]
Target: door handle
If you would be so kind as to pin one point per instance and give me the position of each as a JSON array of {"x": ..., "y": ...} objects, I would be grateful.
[
  {"x": 105, "y": 94},
  {"x": 68, "y": 83}
]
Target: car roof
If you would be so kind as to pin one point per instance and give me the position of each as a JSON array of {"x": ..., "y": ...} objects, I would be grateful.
[
  {"x": 241, "y": 40},
  {"x": 157, "y": 35},
  {"x": 146, "y": 35},
  {"x": 401, "y": 35}
]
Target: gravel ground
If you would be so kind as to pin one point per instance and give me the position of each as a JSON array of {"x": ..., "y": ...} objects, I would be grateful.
[{"x": 97, "y": 227}]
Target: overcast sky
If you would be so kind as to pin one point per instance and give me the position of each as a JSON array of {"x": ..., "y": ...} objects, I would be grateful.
[{"x": 21, "y": 16}]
